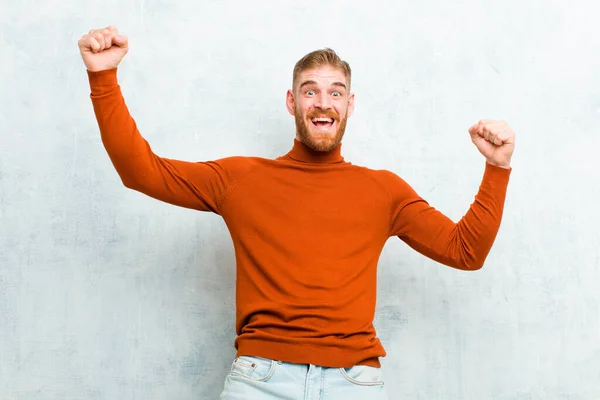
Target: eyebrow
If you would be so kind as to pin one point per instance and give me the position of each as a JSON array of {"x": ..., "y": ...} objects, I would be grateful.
[{"x": 340, "y": 84}]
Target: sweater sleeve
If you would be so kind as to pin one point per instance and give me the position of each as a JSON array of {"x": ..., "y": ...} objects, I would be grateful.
[
  {"x": 463, "y": 245},
  {"x": 197, "y": 185}
]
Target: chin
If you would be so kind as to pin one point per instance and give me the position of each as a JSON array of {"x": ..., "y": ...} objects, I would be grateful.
[
  {"x": 317, "y": 139},
  {"x": 323, "y": 141}
]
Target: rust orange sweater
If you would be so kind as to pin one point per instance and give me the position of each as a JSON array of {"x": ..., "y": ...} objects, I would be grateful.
[{"x": 307, "y": 228}]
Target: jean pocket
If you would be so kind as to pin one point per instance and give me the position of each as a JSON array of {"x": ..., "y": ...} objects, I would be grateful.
[
  {"x": 363, "y": 375},
  {"x": 253, "y": 368}
]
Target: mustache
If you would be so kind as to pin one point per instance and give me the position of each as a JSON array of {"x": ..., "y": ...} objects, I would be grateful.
[{"x": 323, "y": 113}]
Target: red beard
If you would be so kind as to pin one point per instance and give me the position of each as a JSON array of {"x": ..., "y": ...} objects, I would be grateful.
[{"x": 320, "y": 142}]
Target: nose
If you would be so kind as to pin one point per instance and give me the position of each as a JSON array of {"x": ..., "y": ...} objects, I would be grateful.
[{"x": 323, "y": 102}]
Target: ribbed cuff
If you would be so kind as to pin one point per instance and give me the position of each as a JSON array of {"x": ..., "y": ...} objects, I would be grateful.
[
  {"x": 497, "y": 174},
  {"x": 102, "y": 80}
]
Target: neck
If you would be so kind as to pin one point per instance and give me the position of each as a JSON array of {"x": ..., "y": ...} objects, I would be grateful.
[{"x": 301, "y": 152}]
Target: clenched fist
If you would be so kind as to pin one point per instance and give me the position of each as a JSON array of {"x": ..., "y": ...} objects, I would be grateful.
[
  {"x": 495, "y": 140},
  {"x": 103, "y": 48}
]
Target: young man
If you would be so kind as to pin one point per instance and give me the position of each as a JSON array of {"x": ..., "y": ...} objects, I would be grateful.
[{"x": 308, "y": 228}]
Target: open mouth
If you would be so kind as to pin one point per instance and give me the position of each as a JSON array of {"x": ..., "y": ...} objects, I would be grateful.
[{"x": 323, "y": 123}]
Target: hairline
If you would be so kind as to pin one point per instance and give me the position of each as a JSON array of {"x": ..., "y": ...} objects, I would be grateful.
[{"x": 347, "y": 76}]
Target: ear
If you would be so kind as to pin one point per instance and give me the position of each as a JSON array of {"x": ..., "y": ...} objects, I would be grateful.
[
  {"x": 350, "y": 104},
  {"x": 290, "y": 102}
]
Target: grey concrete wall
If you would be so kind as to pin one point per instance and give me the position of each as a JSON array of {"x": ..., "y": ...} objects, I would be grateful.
[{"x": 107, "y": 294}]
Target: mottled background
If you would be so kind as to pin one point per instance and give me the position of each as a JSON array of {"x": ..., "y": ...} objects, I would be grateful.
[{"x": 108, "y": 294}]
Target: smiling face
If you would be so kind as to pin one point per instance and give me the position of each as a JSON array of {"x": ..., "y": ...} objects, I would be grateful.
[{"x": 321, "y": 104}]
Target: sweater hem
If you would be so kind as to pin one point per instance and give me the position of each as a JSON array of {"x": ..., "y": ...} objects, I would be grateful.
[{"x": 325, "y": 356}]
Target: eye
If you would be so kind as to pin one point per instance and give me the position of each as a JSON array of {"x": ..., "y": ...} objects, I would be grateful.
[
  {"x": 336, "y": 94},
  {"x": 310, "y": 92}
]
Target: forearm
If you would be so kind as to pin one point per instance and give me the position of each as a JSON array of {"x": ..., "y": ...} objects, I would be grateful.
[
  {"x": 129, "y": 152},
  {"x": 477, "y": 230},
  {"x": 466, "y": 244}
]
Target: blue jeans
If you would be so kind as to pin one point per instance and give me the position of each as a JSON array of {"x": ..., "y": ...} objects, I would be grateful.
[{"x": 263, "y": 379}]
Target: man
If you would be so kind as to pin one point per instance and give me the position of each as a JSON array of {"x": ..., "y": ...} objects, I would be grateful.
[{"x": 308, "y": 228}]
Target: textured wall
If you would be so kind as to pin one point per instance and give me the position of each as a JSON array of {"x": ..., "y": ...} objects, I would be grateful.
[{"x": 107, "y": 294}]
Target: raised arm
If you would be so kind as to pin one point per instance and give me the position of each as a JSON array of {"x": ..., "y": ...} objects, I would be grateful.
[
  {"x": 463, "y": 245},
  {"x": 466, "y": 244},
  {"x": 197, "y": 185}
]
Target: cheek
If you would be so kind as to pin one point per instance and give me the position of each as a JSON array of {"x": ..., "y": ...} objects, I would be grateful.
[
  {"x": 306, "y": 102},
  {"x": 303, "y": 109},
  {"x": 300, "y": 111},
  {"x": 342, "y": 110}
]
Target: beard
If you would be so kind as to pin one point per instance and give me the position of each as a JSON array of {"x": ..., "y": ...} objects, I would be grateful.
[{"x": 320, "y": 141}]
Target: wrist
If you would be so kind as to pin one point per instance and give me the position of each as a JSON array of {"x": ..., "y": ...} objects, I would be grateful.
[{"x": 500, "y": 165}]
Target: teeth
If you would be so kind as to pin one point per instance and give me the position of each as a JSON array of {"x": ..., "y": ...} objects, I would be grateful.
[{"x": 322, "y": 119}]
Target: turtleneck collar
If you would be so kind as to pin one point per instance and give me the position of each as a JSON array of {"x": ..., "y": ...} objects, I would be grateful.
[{"x": 303, "y": 153}]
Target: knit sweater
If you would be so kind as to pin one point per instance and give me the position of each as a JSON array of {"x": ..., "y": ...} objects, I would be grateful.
[{"x": 307, "y": 228}]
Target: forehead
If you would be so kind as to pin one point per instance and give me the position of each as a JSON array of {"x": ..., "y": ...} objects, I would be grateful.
[{"x": 324, "y": 75}]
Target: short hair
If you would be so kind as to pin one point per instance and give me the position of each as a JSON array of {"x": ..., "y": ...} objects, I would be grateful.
[{"x": 319, "y": 58}]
